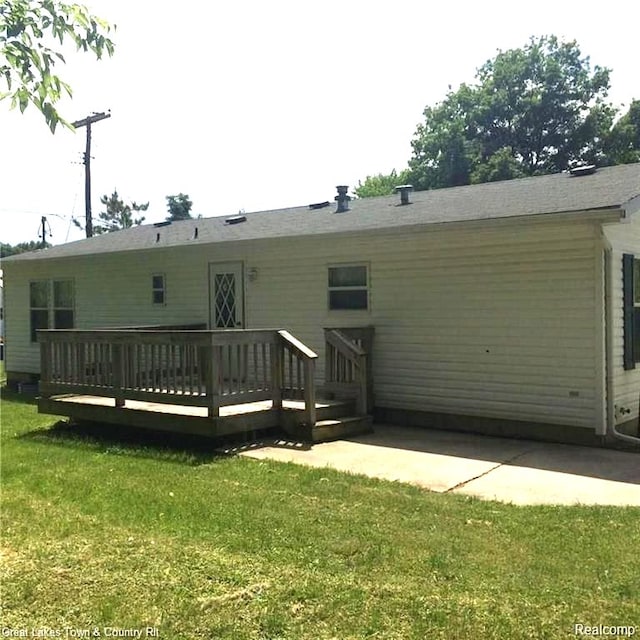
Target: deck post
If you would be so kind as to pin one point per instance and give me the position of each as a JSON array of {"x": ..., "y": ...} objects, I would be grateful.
[
  {"x": 45, "y": 360},
  {"x": 118, "y": 371},
  {"x": 212, "y": 367},
  {"x": 310, "y": 392},
  {"x": 277, "y": 358},
  {"x": 363, "y": 401}
]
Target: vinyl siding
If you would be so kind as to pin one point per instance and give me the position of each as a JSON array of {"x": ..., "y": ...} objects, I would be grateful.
[
  {"x": 624, "y": 238},
  {"x": 498, "y": 320}
]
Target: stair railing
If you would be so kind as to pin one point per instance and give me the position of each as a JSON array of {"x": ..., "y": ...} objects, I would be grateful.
[
  {"x": 348, "y": 365},
  {"x": 297, "y": 374}
]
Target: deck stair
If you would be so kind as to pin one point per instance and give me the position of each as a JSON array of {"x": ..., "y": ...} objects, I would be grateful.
[
  {"x": 348, "y": 384},
  {"x": 335, "y": 419}
]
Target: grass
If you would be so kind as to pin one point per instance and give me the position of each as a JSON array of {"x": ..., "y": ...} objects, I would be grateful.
[{"x": 106, "y": 528}]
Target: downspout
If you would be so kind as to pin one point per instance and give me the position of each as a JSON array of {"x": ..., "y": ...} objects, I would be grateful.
[{"x": 611, "y": 416}]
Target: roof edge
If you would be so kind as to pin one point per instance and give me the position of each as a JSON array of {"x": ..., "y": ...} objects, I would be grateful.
[{"x": 631, "y": 207}]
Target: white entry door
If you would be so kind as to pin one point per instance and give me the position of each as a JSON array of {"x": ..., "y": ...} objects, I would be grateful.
[{"x": 226, "y": 295}]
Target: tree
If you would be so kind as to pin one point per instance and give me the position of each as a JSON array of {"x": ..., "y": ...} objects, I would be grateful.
[
  {"x": 442, "y": 149},
  {"x": 381, "y": 184},
  {"x": 117, "y": 215},
  {"x": 622, "y": 146},
  {"x": 7, "y": 250},
  {"x": 532, "y": 111},
  {"x": 27, "y": 62},
  {"x": 179, "y": 207}
]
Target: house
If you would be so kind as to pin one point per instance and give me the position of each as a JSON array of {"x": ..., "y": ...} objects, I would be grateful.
[{"x": 507, "y": 307}]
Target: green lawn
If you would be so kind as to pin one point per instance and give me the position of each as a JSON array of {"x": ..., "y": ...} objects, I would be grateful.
[{"x": 133, "y": 532}]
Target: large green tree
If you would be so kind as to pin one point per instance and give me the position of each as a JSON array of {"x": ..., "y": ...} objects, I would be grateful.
[
  {"x": 532, "y": 111},
  {"x": 179, "y": 207},
  {"x": 622, "y": 145},
  {"x": 28, "y": 29}
]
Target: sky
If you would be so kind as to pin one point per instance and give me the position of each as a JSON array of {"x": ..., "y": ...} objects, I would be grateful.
[{"x": 251, "y": 105}]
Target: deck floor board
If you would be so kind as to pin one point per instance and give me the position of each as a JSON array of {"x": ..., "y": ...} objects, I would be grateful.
[{"x": 185, "y": 410}]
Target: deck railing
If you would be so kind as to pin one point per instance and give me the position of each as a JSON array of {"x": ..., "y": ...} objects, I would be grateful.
[
  {"x": 348, "y": 370},
  {"x": 187, "y": 367}
]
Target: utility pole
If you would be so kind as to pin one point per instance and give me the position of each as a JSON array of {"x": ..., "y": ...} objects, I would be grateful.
[
  {"x": 43, "y": 222},
  {"x": 87, "y": 122}
]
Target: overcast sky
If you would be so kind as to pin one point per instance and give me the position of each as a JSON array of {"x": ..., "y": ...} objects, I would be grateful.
[{"x": 251, "y": 105}]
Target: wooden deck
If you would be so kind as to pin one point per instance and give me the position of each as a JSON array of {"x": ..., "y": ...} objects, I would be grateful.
[
  {"x": 233, "y": 419},
  {"x": 210, "y": 383}
]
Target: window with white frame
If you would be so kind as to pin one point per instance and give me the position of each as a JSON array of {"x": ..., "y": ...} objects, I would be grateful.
[
  {"x": 38, "y": 306},
  {"x": 348, "y": 287},
  {"x": 158, "y": 288},
  {"x": 51, "y": 305}
]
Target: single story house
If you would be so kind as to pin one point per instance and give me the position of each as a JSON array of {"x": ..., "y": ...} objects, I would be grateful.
[{"x": 507, "y": 307}]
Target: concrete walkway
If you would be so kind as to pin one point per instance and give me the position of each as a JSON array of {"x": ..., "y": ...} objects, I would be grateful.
[{"x": 516, "y": 471}]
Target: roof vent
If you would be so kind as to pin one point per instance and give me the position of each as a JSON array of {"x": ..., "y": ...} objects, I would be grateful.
[
  {"x": 583, "y": 170},
  {"x": 405, "y": 190},
  {"x": 342, "y": 199},
  {"x": 235, "y": 219},
  {"x": 166, "y": 223},
  {"x": 319, "y": 205}
]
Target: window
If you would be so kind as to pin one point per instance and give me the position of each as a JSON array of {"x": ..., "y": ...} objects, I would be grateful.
[
  {"x": 631, "y": 309},
  {"x": 158, "y": 291},
  {"x": 39, "y": 306},
  {"x": 51, "y": 305},
  {"x": 348, "y": 287},
  {"x": 63, "y": 304}
]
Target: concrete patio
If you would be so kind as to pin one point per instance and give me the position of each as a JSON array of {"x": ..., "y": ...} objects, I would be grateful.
[{"x": 517, "y": 471}]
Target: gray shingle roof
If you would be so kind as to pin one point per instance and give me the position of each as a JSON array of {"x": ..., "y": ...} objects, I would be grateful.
[{"x": 609, "y": 187}]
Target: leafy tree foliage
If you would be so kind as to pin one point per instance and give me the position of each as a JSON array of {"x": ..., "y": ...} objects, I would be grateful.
[
  {"x": 532, "y": 111},
  {"x": 7, "y": 250},
  {"x": 116, "y": 216},
  {"x": 622, "y": 146},
  {"x": 381, "y": 184},
  {"x": 27, "y": 62},
  {"x": 179, "y": 207}
]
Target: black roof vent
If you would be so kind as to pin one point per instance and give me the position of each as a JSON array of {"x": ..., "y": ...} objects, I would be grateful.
[
  {"x": 235, "y": 219},
  {"x": 319, "y": 205},
  {"x": 166, "y": 223},
  {"x": 583, "y": 170},
  {"x": 342, "y": 199},
  {"x": 405, "y": 190}
]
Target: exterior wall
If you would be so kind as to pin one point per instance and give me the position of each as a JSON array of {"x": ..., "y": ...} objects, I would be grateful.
[
  {"x": 624, "y": 238},
  {"x": 498, "y": 320},
  {"x": 1, "y": 309}
]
